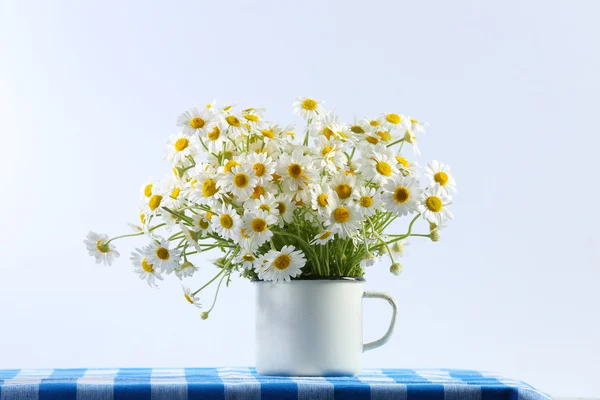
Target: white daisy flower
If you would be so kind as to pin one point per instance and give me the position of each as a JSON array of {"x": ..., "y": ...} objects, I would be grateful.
[
  {"x": 97, "y": 245},
  {"x": 263, "y": 166},
  {"x": 174, "y": 197},
  {"x": 233, "y": 125},
  {"x": 330, "y": 127},
  {"x": 189, "y": 296},
  {"x": 379, "y": 164},
  {"x": 264, "y": 202},
  {"x": 185, "y": 270},
  {"x": 247, "y": 260},
  {"x": 269, "y": 132},
  {"x": 162, "y": 257},
  {"x": 321, "y": 195},
  {"x": 307, "y": 107},
  {"x": 253, "y": 116},
  {"x": 368, "y": 260},
  {"x": 204, "y": 187},
  {"x": 360, "y": 127},
  {"x": 201, "y": 222},
  {"x": 407, "y": 167},
  {"x": 401, "y": 195},
  {"x": 227, "y": 223},
  {"x": 409, "y": 137},
  {"x": 329, "y": 153},
  {"x": 368, "y": 200},
  {"x": 143, "y": 268},
  {"x": 343, "y": 184},
  {"x": 283, "y": 265},
  {"x": 246, "y": 243},
  {"x": 181, "y": 146},
  {"x": 323, "y": 237},
  {"x": 286, "y": 208},
  {"x": 295, "y": 169},
  {"x": 395, "y": 121},
  {"x": 434, "y": 204},
  {"x": 214, "y": 139},
  {"x": 195, "y": 122},
  {"x": 417, "y": 127},
  {"x": 439, "y": 174},
  {"x": 149, "y": 188},
  {"x": 344, "y": 219},
  {"x": 240, "y": 181},
  {"x": 256, "y": 226},
  {"x": 191, "y": 237},
  {"x": 399, "y": 248},
  {"x": 265, "y": 189}
]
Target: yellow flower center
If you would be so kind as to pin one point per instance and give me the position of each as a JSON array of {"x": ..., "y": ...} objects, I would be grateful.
[
  {"x": 265, "y": 207},
  {"x": 240, "y": 180},
  {"x": 209, "y": 215},
  {"x": 434, "y": 203},
  {"x": 148, "y": 190},
  {"x": 102, "y": 246},
  {"x": 393, "y": 118},
  {"x": 341, "y": 215},
  {"x": 230, "y": 164},
  {"x": 372, "y": 140},
  {"x": 322, "y": 200},
  {"x": 328, "y": 133},
  {"x": 384, "y": 168},
  {"x": 268, "y": 133},
  {"x": 384, "y": 135},
  {"x": 259, "y": 169},
  {"x": 401, "y": 160},
  {"x": 295, "y": 170},
  {"x": 309, "y": 104},
  {"x": 146, "y": 266},
  {"x": 197, "y": 123},
  {"x": 366, "y": 201},
  {"x": 281, "y": 207},
  {"x": 233, "y": 121},
  {"x": 326, "y": 150},
  {"x": 259, "y": 225},
  {"x": 203, "y": 224},
  {"x": 188, "y": 298},
  {"x": 343, "y": 191},
  {"x": 401, "y": 195},
  {"x": 214, "y": 134},
  {"x": 441, "y": 178},
  {"x": 143, "y": 218},
  {"x": 374, "y": 122},
  {"x": 248, "y": 257},
  {"x": 226, "y": 221},
  {"x": 181, "y": 144},
  {"x": 357, "y": 129},
  {"x": 257, "y": 192},
  {"x": 209, "y": 188},
  {"x": 325, "y": 235},
  {"x": 163, "y": 253},
  {"x": 227, "y": 108},
  {"x": 282, "y": 262},
  {"x": 154, "y": 201},
  {"x": 251, "y": 117},
  {"x": 175, "y": 192}
]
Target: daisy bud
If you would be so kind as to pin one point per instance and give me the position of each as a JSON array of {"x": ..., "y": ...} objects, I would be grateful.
[
  {"x": 396, "y": 269},
  {"x": 204, "y": 315},
  {"x": 435, "y": 235},
  {"x": 397, "y": 247}
]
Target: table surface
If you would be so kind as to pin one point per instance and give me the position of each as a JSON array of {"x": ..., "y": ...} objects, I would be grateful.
[{"x": 245, "y": 383}]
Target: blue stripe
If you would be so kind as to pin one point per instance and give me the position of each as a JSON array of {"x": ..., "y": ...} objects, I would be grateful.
[
  {"x": 7, "y": 374},
  {"x": 276, "y": 387},
  {"x": 204, "y": 383},
  {"x": 350, "y": 389},
  {"x": 491, "y": 388},
  {"x": 133, "y": 384},
  {"x": 61, "y": 384}
]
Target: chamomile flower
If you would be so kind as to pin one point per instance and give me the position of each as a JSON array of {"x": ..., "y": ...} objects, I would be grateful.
[
  {"x": 256, "y": 226},
  {"x": 143, "y": 268},
  {"x": 399, "y": 248},
  {"x": 265, "y": 202},
  {"x": 227, "y": 223},
  {"x": 401, "y": 195},
  {"x": 329, "y": 153},
  {"x": 434, "y": 205},
  {"x": 307, "y": 107},
  {"x": 295, "y": 169},
  {"x": 379, "y": 164},
  {"x": 283, "y": 265},
  {"x": 180, "y": 147},
  {"x": 395, "y": 121},
  {"x": 323, "y": 237},
  {"x": 240, "y": 181},
  {"x": 233, "y": 125},
  {"x": 185, "y": 270},
  {"x": 149, "y": 188},
  {"x": 174, "y": 197},
  {"x": 201, "y": 222},
  {"x": 253, "y": 116},
  {"x": 190, "y": 298},
  {"x": 286, "y": 208},
  {"x": 439, "y": 174},
  {"x": 407, "y": 167},
  {"x": 360, "y": 127},
  {"x": 343, "y": 184},
  {"x": 98, "y": 246},
  {"x": 204, "y": 187},
  {"x": 344, "y": 219},
  {"x": 417, "y": 127},
  {"x": 409, "y": 137},
  {"x": 368, "y": 260},
  {"x": 195, "y": 122},
  {"x": 162, "y": 257},
  {"x": 321, "y": 197},
  {"x": 265, "y": 189},
  {"x": 269, "y": 132},
  {"x": 247, "y": 260},
  {"x": 368, "y": 200},
  {"x": 214, "y": 139},
  {"x": 263, "y": 166}
]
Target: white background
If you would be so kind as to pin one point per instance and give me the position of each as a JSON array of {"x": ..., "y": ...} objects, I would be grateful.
[{"x": 89, "y": 92}]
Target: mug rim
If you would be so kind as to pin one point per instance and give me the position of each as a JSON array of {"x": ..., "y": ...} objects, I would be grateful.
[{"x": 318, "y": 278}]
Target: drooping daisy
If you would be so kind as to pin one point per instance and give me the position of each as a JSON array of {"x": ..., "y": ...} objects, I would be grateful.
[
  {"x": 368, "y": 200},
  {"x": 295, "y": 169},
  {"x": 240, "y": 181},
  {"x": 265, "y": 202},
  {"x": 227, "y": 223},
  {"x": 344, "y": 219},
  {"x": 368, "y": 260},
  {"x": 399, "y": 248},
  {"x": 143, "y": 268},
  {"x": 283, "y": 265},
  {"x": 286, "y": 208},
  {"x": 323, "y": 237},
  {"x": 307, "y": 107},
  {"x": 407, "y": 167},
  {"x": 190, "y": 297},
  {"x": 263, "y": 166},
  {"x": 194, "y": 121},
  {"x": 329, "y": 153},
  {"x": 409, "y": 137},
  {"x": 321, "y": 197},
  {"x": 434, "y": 204},
  {"x": 401, "y": 195},
  {"x": 379, "y": 164},
  {"x": 439, "y": 174},
  {"x": 98, "y": 246},
  {"x": 181, "y": 146},
  {"x": 162, "y": 257},
  {"x": 185, "y": 270},
  {"x": 256, "y": 226},
  {"x": 343, "y": 184}
]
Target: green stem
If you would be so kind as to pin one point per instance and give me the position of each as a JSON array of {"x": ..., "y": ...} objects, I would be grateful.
[
  {"x": 217, "y": 293},
  {"x": 209, "y": 282},
  {"x": 396, "y": 142},
  {"x": 124, "y": 236}
]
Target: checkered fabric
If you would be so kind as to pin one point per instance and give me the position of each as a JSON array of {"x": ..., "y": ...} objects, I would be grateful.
[{"x": 245, "y": 383}]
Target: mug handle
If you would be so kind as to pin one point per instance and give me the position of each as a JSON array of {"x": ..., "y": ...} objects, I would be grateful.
[{"x": 380, "y": 342}]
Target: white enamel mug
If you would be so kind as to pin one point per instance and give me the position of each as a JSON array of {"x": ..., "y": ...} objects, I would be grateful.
[{"x": 313, "y": 327}]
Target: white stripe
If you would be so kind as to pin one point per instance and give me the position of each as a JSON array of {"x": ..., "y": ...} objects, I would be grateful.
[
  {"x": 234, "y": 379},
  {"x": 167, "y": 384},
  {"x": 313, "y": 388},
  {"x": 25, "y": 385},
  {"x": 383, "y": 387},
  {"x": 97, "y": 384}
]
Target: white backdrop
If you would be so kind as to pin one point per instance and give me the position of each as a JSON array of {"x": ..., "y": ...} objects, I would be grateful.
[{"x": 89, "y": 92}]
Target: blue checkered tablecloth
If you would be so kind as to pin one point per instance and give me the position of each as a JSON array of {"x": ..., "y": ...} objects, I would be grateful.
[{"x": 245, "y": 383}]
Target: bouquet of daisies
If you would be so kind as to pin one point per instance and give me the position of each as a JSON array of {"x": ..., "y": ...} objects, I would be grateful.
[{"x": 281, "y": 203}]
